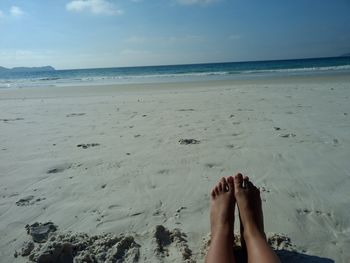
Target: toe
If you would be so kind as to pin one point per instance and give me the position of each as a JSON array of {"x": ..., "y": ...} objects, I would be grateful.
[
  {"x": 256, "y": 189},
  {"x": 230, "y": 182},
  {"x": 213, "y": 193},
  {"x": 216, "y": 190},
  {"x": 224, "y": 183},
  {"x": 250, "y": 185},
  {"x": 238, "y": 180},
  {"x": 221, "y": 187},
  {"x": 245, "y": 181}
]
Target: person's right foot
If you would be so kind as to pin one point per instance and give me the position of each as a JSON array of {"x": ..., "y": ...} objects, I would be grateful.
[{"x": 249, "y": 204}]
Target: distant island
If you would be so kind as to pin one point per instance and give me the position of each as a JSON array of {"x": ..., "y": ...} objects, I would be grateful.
[{"x": 27, "y": 69}]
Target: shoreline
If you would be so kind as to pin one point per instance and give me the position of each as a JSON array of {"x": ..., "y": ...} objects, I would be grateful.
[
  {"x": 334, "y": 77},
  {"x": 178, "y": 73}
]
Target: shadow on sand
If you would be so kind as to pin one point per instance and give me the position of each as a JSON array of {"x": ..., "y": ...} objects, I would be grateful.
[
  {"x": 288, "y": 257},
  {"x": 294, "y": 257}
]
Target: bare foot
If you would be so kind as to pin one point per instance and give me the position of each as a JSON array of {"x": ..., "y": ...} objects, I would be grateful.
[
  {"x": 249, "y": 205},
  {"x": 222, "y": 207}
]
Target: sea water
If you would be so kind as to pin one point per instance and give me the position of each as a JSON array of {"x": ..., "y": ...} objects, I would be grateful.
[{"x": 175, "y": 73}]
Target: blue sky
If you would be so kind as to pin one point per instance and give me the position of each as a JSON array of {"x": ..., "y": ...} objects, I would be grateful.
[{"x": 109, "y": 33}]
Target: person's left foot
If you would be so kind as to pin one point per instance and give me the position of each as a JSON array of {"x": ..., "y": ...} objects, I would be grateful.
[{"x": 222, "y": 207}]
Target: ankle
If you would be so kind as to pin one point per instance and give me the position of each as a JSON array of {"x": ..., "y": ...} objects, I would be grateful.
[
  {"x": 252, "y": 232},
  {"x": 224, "y": 227},
  {"x": 222, "y": 230}
]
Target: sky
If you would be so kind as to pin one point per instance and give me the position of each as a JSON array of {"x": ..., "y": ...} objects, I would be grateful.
[{"x": 68, "y": 34}]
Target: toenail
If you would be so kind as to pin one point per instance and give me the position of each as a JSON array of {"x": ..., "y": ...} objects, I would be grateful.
[{"x": 226, "y": 188}]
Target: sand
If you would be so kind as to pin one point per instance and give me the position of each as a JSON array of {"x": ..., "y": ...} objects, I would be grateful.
[{"x": 126, "y": 170}]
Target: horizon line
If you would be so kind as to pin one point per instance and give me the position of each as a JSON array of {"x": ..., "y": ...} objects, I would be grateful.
[
  {"x": 185, "y": 64},
  {"x": 204, "y": 63}
]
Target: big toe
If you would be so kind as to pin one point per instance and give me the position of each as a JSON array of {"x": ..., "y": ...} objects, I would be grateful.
[
  {"x": 238, "y": 182},
  {"x": 245, "y": 181},
  {"x": 231, "y": 183}
]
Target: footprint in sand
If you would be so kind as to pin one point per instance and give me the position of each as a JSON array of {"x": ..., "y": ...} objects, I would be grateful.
[
  {"x": 171, "y": 244},
  {"x": 163, "y": 171},
  {"x": 232, "y": 146},
  {"x": 159, "y": 211},
  {"x": 114, "y": 206},
  {"x": 186, "y": 110},
  {"x": 40, "y": 231},
  {"x": 14, "y": 119},
  {"x": 75, "y": 114},
  {"x": 211, "y": 165},
  {"x": 59, "y": 168},
  {"x": 29, "y": 200},
  {"x": 287, "y": 135},
  {"x": 306, "y": 211}
]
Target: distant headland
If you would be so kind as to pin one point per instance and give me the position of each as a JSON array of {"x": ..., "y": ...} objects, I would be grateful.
[{"x": 27, "y": 69}]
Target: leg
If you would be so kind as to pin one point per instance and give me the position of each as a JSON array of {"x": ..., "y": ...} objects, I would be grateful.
[
  {"x": 258, "y": 214},
  {"x": 221, "y": 220},
  {"x": 250, "y": 211}
]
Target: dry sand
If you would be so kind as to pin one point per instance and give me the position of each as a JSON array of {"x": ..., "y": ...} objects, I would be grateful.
[{"x": 128, "y": 168}]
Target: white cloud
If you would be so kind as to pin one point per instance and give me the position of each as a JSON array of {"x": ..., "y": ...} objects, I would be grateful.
[
  {"x": 97, "y": 7},
  {"x": 16, "y": 11},
  {"x": 196, "y": 2}
]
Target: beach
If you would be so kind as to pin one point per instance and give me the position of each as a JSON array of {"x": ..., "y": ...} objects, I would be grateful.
[{"x": 138, "y": 161}]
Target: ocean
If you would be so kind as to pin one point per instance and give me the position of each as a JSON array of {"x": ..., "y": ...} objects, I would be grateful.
[{"x": 175, "y": 73}]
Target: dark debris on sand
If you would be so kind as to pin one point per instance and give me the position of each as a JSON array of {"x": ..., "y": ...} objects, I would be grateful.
[
  {"x": 88, "y": 145},
  {"x": 189, "y": 141},
  {"x": 14, "y": 119}
]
